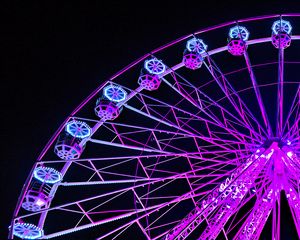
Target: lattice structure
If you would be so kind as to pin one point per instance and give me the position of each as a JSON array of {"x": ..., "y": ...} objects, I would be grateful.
[{"x": 204, "y": 156}]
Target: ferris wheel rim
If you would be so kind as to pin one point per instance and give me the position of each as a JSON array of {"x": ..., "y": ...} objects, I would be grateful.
[{"x": 111, "y": 79}]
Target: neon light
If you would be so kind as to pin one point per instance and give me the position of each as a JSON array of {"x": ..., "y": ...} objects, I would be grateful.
[
  {"x": 289, "y": 154},
  {"x": 281, "y": 26},
  {"x": 155, "y": 66},
  {"x": 114, "y": 93},
  {"x": 196, "y": 45},
  {"x": 192, "y": 60},
  {"x": 78, "y": 129},
  {"x": 40, "y": 202},
  {"x": 239, "y": 32},
  {"x": 27, "y": 231},
  {"x": 47, "y": 175}
]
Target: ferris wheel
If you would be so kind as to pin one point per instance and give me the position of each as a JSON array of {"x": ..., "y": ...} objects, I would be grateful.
[{"x": 199, "y": 139}]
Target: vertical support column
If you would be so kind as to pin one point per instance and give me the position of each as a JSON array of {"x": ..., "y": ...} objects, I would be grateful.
[{"x": 280, "y": 92}]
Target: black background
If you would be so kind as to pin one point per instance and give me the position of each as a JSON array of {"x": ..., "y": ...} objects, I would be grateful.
[{"x": 55, "y": 54}]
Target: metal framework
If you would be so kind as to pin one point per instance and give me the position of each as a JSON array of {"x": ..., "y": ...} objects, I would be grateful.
[{"x": 185, "y": 150}]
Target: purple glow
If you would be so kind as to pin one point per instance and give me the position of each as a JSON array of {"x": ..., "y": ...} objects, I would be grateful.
[
  {"x": 289, "y": 154},
  {"x": 225, "y": 154},
  {"x": 237, "y": 47},
  {"x": 281, "y": 40},
  {"x": 192, "y": 60},
  {"x": 149, "y": 82}
]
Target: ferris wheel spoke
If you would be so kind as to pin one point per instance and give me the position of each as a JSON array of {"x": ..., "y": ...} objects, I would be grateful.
[
  {"x": 212, "y": 119},
  {"x": 176, "y": 154},
  {"x": 230, "y": 93},
  {"x": 195, "y": 155},
  {"x": 121, "y": 228},
  {"x": 94, "y": 224},
  {"x": 163, "y": 121},
  {"x": 178, "y": 86},
  {"x": 176, "y": 201},
  {"x": 294, "y": 129},
  {"x": 294, "y": 113},
  {"x": 257, "y": 93},
  {"x": 126, "y": 189},
  {"x": 146, "y": 211},
  {"x": 218, "y": 219},
  {"x": 132, "y": 147},
  {"x": 174, "y": 125}
]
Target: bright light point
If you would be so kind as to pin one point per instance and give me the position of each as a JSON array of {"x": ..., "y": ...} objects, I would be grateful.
[
  {"x": 288, "y": 142},
  {"x": 114, "y": 93},
  {"x": 47, "y": 175},
  {"x": 78, "y": 129},
  {"x": 40, "y": 202},
  {"x": 196, "y": 45},
  {"x": 239, "y": 32},
  {"x": 154, "y": 66},
  {"x": 281, "y": 26},
  {"x": 289, "y": 154}
]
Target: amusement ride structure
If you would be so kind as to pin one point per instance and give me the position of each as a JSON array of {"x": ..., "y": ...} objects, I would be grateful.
[{"x": 198, "y": 139}]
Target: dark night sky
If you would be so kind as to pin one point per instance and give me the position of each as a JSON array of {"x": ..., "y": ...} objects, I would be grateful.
[{"x": 56, "y": 54}]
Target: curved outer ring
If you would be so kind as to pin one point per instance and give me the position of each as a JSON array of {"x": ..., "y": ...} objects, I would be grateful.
[{"x": 213, "y": 51}]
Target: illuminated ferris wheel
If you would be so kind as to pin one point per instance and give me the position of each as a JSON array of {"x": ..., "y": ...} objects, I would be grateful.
[{"x": 199, "y": 139}]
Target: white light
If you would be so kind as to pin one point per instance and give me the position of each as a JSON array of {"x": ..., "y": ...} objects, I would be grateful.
[
  {"x": 289, "y": 154},
  {"x": 40, "y": 202}
]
